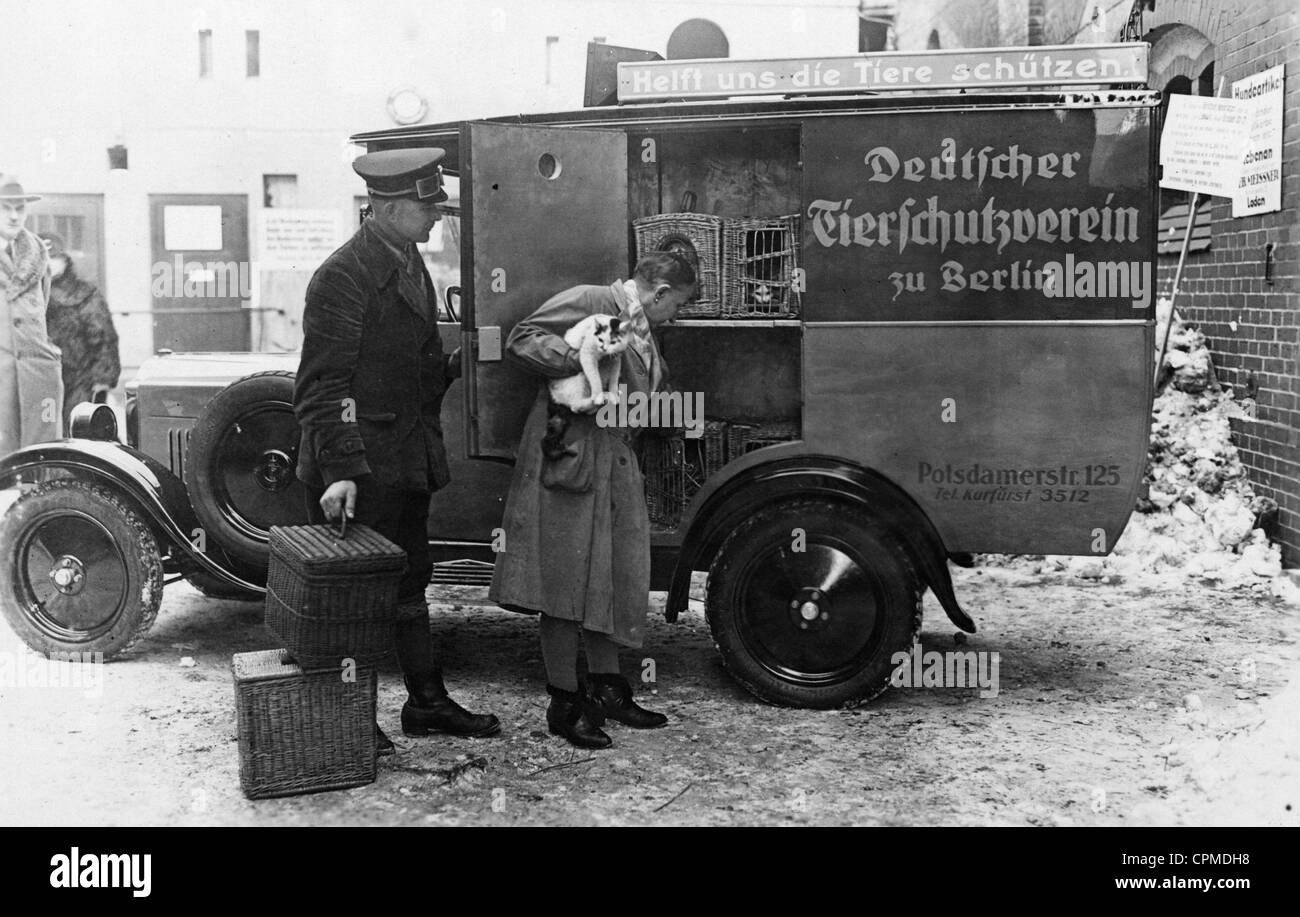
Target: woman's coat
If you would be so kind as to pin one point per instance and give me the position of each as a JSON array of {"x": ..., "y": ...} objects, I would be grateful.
[
  {"x": 577, "y": 533},
  {"x": 31, "y": 380}
]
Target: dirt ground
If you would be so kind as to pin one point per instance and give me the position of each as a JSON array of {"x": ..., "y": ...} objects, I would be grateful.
[{"x": 1117, "y": 705}]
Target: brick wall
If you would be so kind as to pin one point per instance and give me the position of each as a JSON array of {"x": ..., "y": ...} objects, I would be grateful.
[{"x": 1253, "y": 324}]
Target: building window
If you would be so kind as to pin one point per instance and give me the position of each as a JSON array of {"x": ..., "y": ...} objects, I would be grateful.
[
  {"x": 279, "y": 191},
  {"x": 1175, "y": 205},
  {"x": 551, "y": 42},
  {"x": 253, "y": 53},
  {"x": 205, "y": 53}
]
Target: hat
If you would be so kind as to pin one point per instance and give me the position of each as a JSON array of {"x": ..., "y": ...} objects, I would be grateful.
[
  {"x": 403, "y": 173},
  {"x": 54, "y": 243},
  {"x": 12, "y": 190}
]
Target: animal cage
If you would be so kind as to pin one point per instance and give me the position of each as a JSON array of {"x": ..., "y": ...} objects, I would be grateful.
[
  {"x": 676, "y": 468},
  {"x": 760, "y": 260},
  {"x": 698, "y": 237}
]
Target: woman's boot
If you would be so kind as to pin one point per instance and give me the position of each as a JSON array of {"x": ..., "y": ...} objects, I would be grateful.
[
  {"x": 571, "y": 715},
  {"x": 612, "y": 693}
]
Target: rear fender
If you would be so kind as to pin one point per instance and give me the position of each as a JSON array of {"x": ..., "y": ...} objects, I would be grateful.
[
  {"x": 148, "y": 484},
  {"x": 786, "y": 471}
]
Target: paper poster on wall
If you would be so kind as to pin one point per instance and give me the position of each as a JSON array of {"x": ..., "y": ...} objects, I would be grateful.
[
  {"x": 1260, "y": 190},
  {"x": 192, "y": 227},
  {"x": 1202, "y": 144},
  {"x": 296, "y": 240}
]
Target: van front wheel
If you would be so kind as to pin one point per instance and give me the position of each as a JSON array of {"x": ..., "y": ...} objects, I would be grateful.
[{"x": 809, "y": 601}]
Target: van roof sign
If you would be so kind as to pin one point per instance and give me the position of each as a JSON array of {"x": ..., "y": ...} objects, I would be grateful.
[{"x": 890, "y": 71}]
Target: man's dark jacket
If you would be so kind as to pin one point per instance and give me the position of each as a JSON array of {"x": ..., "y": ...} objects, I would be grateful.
[{"x": 373, "y": 374}]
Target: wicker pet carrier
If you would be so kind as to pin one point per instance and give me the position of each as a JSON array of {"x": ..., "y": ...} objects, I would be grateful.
[
  {"x": 676, "y": 467},
  {"x": 332, "y": 595},
  {"x": 302, "y": 731},
  {"x": 697, "y": 236},
  {"x": 744, "y": 437},
  {"x": 759, "y": 263}
]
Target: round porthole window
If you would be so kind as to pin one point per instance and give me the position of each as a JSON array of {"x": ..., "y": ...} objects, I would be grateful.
[
  {"x": 548, "y": 167},
  {"x": 406, "y": 106}
]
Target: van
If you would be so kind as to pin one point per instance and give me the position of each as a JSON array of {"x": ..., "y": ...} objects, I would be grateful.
[{"x": 924, "y": 330}]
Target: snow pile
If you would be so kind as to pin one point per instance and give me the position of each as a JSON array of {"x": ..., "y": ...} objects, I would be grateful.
[
  {"x": 1200, "y": 517},
  {"x": 1246, "y": 774}
]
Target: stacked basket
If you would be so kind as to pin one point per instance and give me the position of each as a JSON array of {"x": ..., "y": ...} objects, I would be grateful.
[{"x": 307, "y": 712}]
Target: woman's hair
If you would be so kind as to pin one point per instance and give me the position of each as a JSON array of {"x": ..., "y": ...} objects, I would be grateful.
[{"x": 666, "y": 267}]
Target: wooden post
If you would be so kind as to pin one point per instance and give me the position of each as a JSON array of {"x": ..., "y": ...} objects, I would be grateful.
[{"x": 1178, "y": 276}]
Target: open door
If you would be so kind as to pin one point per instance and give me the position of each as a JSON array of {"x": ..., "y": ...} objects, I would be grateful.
[{"x": 543, "y": 209}]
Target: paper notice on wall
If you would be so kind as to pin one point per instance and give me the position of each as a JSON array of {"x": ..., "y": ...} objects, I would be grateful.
[
  {"x": 296, "y": 240},
  {"x": 1260, "y": 188},
  {"x": 1202, "y": 144}
]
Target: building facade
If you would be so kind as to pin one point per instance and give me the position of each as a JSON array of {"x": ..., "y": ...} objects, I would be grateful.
[{"x": 218, "y": 131}]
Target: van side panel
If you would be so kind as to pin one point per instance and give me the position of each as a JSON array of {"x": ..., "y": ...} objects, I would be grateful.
[
  {"x": 1013, "y": 437},
  {"x": 1017, "y": 214}
]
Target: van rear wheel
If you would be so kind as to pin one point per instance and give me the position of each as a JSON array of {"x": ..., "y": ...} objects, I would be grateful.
[{"x": 809, "y": 601}]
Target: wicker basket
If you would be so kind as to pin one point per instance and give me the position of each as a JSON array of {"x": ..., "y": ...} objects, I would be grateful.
[
  {"x": 699, "y": 237},
  {"x": 332, "y": 596},
  {"x": 676, "y": 467},
  {"x": 743, "y": 437},
  {"x": 759, "y": 260},
  {"x": 302, "y": 731}
]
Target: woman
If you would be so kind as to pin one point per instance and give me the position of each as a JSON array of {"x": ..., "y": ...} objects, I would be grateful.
[
  {"x": 577, "y": 533},
  {"x": 81, "y": 326}
]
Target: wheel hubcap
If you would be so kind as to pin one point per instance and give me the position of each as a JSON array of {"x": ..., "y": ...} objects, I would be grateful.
[
  {"x": 254, "y": 463},
  {"x": 275, "y": 471},
  {"x": 74, "y": 576},
  {"x": 68, "y": 575},
  {"x": 811, "y": 617}
]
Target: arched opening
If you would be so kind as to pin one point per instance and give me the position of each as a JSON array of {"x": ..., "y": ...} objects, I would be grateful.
[
  {"x": 696, "y": 38},
  {"x": 932, "y": 44}
]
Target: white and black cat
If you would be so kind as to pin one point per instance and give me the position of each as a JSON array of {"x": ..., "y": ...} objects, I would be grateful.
[{"x": 600, "y": 340}]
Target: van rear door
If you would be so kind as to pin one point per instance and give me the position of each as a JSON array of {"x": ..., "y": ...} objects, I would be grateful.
[{"x": 543, "y": 209}]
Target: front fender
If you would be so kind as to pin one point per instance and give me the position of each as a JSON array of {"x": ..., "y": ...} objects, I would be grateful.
[
  {"x": 786, "y": 471},
  {"x": 143, "y": 480}
]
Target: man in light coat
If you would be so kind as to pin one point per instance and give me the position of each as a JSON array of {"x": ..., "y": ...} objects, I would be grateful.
[{"x": 31, "y": 383}]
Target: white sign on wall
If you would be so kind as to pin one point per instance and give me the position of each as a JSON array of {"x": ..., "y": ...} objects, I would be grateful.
[
  {"x": 1202, "y": 144},
  {"x": 1260, "y": 188},
  {"x": 296, "y": 240}
]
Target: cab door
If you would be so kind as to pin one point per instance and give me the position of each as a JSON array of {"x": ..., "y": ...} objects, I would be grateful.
[{"x": 543, "y": 209}]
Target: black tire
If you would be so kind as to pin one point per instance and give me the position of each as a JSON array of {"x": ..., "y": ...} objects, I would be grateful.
[
  {"x": 240, "y": 466},
  {"x": 817, "y": 628},
  {"x": 110, "y": 570},
  {"x": 215, "y": 588}
]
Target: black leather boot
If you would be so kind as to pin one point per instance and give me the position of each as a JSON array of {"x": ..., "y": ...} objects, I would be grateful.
[
  {"x": 428, "y": 707},
  {"x": 383, "y": 744},
  {"x": 572, "y": 715},
  {"x": 612, "y": 693}
]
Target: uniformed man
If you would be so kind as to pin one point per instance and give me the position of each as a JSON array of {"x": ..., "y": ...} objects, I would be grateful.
[{"x": 368, "y": 393}]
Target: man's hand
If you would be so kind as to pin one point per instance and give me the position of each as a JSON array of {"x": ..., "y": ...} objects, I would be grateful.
[
  {"x": 339, "y": 497},
  {"x": 99, "y": 393}
]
